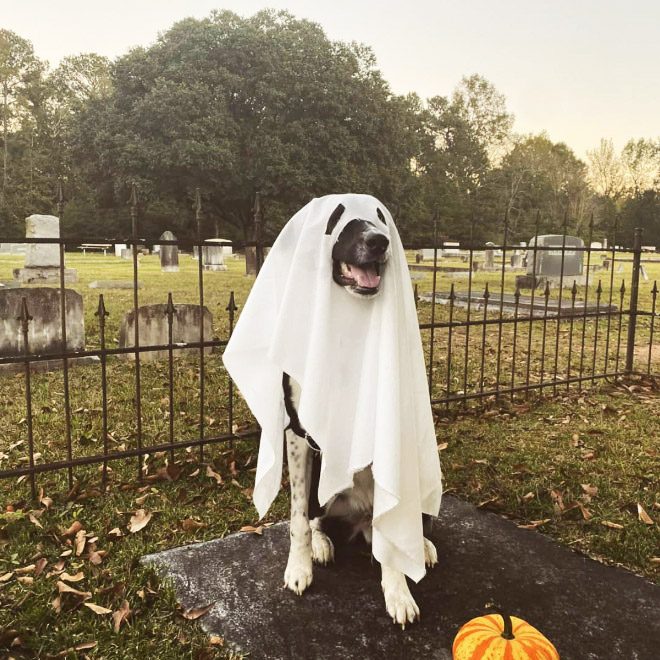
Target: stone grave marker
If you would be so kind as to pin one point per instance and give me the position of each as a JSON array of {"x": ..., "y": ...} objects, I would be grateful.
[
  {"x": 489, "y": 256},
  {"x": 549, "y": 261},
  {"x": 119, "y": 247},
  {"x": 114, "y": 284},
  {"x": 42, "y": 260},
  {"x": 213, "y": 255},
  {"x": 169, "y": 254},
  {"x": 45, "y": 328},
  {"x": 153, "y": 330}
]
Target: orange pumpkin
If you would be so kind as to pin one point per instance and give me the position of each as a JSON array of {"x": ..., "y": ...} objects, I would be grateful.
[{"x": 501, "y": 637}]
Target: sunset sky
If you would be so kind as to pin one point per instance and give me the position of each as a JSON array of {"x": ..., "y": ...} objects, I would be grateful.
[{"x": 578, "y": 69}]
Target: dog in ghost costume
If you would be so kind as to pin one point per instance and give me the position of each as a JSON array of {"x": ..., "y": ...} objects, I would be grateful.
[{"x": 328, "y": 352}]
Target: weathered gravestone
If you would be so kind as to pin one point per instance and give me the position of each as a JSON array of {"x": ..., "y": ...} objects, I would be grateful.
[
  {"x": 153, "y": 330},
  {"x": 114, "y": 284},
  {"x": 127, "y": 253},
  {"x": 119, "y": 247},
  {"x": 549, "y": 262},
  {"x": 42, "y": 260},
  {"x": 44, "y": 329},
  {"x": 251, "y": 259},
  {"x": 482, "y": 558},
  {"x": 213, "y": 255},
  {"x": 169, "y": 254},
  {"x": 489, "y": 256}
]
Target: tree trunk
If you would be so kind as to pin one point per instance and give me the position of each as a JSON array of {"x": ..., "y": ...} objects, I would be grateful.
[{"x": 4, "y": 152}]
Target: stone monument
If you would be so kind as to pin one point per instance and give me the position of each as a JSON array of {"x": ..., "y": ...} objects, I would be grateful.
[
  {"x": 169, "y": 254},
  {"x": 44, "y": 328},
  {"x": 154, "y": 330},
  {"x": 42, "y": 260},
  {"x": 213, "y": 255}
]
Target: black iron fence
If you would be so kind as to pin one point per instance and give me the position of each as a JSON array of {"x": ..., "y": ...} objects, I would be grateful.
[{"x": 497, "y": 321}]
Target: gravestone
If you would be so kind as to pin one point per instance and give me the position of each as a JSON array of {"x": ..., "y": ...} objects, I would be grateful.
[
  {"x": 45, "y": 328},
  {"x": 213, "y": 255},
  {"x": 153, "y": 330},
  {"x": 118, "y": 249},
  {"x": 169, "y": 254},
  {"x": 549, "y": 261},
  {"x": 489, "y": 256},
  {"x": 251, "y": 259},
  {"x": 127, "y": 253},
  {"x": 589, "y": 611},
  {"x": 42, "y": 260},
  {"x": 428, "y": 254}
]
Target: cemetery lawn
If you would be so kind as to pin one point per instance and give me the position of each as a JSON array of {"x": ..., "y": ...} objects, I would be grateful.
[{"x": 582, "y": 468}]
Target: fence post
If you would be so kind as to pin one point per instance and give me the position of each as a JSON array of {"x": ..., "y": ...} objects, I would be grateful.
[{"x": 634, "y": 292}]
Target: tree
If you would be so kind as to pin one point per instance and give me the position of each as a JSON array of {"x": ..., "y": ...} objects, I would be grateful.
[
  {"x": 238, "y": 105},
  {"x": 640, "y": 160},
  {"x": 606, "y": 173},
  {"x": 18, "y": 67},
  {"x": 541, "y": 176}
]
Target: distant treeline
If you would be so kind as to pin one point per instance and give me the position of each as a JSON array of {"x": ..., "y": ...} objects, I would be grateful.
[{"x": 236, "y": 105}]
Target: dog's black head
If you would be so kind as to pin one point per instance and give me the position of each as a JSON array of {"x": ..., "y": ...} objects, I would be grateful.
[{"x": 360, "y": 254}]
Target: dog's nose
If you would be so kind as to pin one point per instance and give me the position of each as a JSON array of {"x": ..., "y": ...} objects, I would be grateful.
[{"x": 376, "y": 242}]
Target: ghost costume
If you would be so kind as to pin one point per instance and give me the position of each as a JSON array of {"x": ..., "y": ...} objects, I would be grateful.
[{"x": 360, "y": 366}]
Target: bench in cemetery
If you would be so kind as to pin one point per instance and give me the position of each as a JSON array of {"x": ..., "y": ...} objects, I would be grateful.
[{"x": 95, "y": 246}]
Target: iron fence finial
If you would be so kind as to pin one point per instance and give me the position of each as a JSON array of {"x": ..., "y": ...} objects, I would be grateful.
[{"x": 101, "y": 311}]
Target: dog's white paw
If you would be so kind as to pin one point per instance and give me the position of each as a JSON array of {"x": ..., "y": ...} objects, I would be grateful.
[
  {"x": 323, "y": 550},
  {"x": 298, "y": 573},
  {"x": 430, "y": 554},
  {"x": 401, "y": 606},
  {"x": 399, "y": 603}
]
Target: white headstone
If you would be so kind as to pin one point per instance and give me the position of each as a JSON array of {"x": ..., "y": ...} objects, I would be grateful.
[
  {"x": 40, "y": 255},
  {"x": 118, "y": 248}
]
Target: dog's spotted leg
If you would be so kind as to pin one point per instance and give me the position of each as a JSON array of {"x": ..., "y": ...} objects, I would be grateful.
[
  {"x": 323, "y": 550},
  {"x": 399, "y": 602},
  {"x": 430, "y": 553},
  {"x": 298, "y": 573}
]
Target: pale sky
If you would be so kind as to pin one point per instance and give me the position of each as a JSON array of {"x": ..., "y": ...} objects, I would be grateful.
[{"x": 578, "y": 69}]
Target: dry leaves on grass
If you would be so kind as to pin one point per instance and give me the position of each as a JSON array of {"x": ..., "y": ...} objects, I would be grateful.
[
  {"x": 211, "y": 473},
  {"x": 190, "y": 524},
  {"x": 250, "y": 528},
  {"x": 121, "y": 615},
  {"x": 139, "y": 520},
  {"x": 97, "y": 609},
  {"x": 195, "y": 612},
  {"x": 611, "y": 525},
  {"x": 642, "y": 516},
  {"x": 84, "y": 646}
]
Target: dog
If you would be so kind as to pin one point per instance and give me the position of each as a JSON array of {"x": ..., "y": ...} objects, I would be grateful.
[{"x": 359, "y": 265}]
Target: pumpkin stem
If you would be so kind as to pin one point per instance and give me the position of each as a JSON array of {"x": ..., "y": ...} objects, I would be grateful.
[{"x": 507, "y": 633}]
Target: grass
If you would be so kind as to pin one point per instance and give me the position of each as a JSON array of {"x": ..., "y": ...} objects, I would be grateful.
[{"x": 580, "y": 467}]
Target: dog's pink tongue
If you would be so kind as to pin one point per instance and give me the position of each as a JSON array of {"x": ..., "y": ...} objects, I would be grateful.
[{"x": 366, "y": 276}]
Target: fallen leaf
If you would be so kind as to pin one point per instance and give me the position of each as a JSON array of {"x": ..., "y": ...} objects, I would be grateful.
[
  {"x": 97, "y": 608},
  {"x": 76, "y": 526},
  {"x": 442, "y": 446},
  {"x": 96, "y": 557},
  {"x": 189, "y": 524},
  {"x": 195, "y": 473},
  {"x": 211, "y": 473},
  {"x": 586, "y": 514},
  {"x": 250, "y": 528},
  {"x": 592, "y": 491},
  {"x": 196, "y": 612},
  {"x": 72, "y": 578},
  {"x": 121, "y": 615},
  {"x": 57, "y": 604},
  {"x": 25, "y": 569},
  {"x": 643, "y": 516},
  {"x": 41, "y": 564},
  {"x": 25, "y": 579},
  {"x": 80, "y": 541},
  {"x": 139, "y": 520},
  {"x": 34, "y": 520},
  {"x": 214, "y": 640},
  {"x": 528, "y": 496},
  {"x": 64, "y": 588},
  {"x": 6, "y": 577},
  {"x": 115, "y": 533},
  {"x": 611, "y": 525}
]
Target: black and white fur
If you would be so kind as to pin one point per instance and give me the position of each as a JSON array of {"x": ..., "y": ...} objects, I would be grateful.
[{"x": 362, "y": 244}]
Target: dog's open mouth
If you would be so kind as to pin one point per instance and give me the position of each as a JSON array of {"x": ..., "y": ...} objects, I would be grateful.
[{"x": 363, "y": 279}]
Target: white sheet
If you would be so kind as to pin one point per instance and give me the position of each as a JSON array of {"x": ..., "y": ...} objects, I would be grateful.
[{"x": 360, "y": 366}]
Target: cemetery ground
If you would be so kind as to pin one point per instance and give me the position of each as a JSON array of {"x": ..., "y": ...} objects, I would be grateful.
[{"x": 581, "y": 467}]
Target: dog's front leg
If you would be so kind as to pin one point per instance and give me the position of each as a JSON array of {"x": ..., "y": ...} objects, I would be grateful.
[
  {"x": 399, "y": 602},
  {"x": 298, "y": 573}
]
